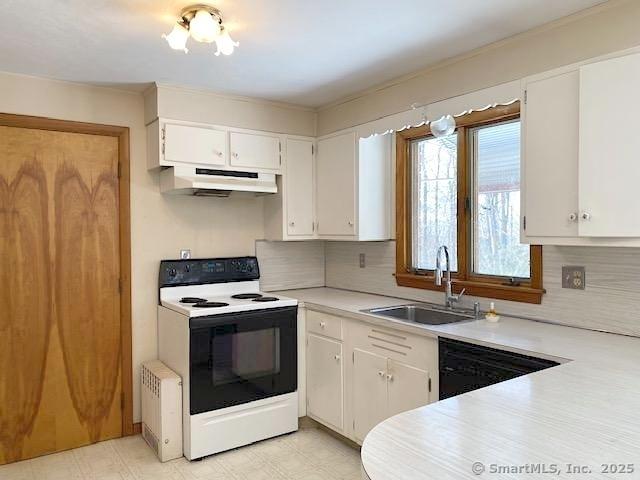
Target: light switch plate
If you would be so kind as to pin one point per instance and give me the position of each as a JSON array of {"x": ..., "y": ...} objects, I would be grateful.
[
  {"x": 573, "y": 277},
  {"x": 362, "y": 260},
  {"x": 185, "y": 254}
]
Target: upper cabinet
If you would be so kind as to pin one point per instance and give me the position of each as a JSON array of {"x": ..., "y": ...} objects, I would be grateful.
[
  {"x": 353, "y": 183},
  {"x": 189, "y": 144},
  {"x": 174, "y": 143},
  {"x": 579, "y": 160},
  {"x": 256, "y": 151},
  {"x": 290, "y": 214}
]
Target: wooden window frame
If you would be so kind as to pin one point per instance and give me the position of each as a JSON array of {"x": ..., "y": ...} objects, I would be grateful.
[{"x": 528, "y": 291}]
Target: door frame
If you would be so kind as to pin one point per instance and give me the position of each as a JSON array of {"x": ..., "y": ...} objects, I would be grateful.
[{"x": 124, "y": 219}]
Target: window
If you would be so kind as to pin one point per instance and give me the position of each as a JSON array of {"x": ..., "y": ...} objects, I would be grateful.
[{"x": 463, "y": 191}]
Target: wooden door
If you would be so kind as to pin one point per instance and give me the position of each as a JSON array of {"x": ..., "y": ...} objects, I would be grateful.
[
  {"x": 325, "y": 380},
  {"x": 408, "y": 387},
  {"x": 336, "y": 184},
  {"x": 550, "y": 156},
  {"x": 190, "y": 144},
  {"x": 369, "y": 391},
  {"x": 609, "y": 146},
  {"x": 300, "y": 183},
  {"x": 255, "y": 151},
  {"x": 61, "y": 346}
]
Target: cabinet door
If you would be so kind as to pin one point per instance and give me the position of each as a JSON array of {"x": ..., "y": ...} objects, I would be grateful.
[
  {"x": 369, "y": 391},
  {"x": 255, "y": 151},
  {"x": 325, "y": 380},
  {"x": 408, "y": 387},
  {"x": 609, "y": 146},
  {"x": 189, "y": 144},
  {"x": 550, "y": 156},
  {"x": 299, "y": 191},
  {"x": 336, "y": 185}
]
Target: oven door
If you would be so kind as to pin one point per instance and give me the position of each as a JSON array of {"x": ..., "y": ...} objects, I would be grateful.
[{"x": 240, "y": 357}]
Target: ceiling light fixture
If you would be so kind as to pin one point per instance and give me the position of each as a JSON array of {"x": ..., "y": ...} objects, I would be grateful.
[{"x": 203, "y": 23}]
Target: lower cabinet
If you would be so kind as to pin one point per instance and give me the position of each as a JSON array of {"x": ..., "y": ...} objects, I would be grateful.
[
  {"x": 325, "y": 394},
  {"x": 369, "y": 383},
  {"x": 359, "y": 374}
]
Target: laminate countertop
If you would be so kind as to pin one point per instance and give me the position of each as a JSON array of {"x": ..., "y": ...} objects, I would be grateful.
[{"x": 580, "y": 419}]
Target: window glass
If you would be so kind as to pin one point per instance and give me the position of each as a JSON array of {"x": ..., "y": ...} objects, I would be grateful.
[
  {"x": 435, "y": 192},
  {"x": 496, "y": 203}
]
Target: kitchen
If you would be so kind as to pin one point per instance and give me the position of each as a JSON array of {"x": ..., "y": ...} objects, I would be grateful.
[{"x": 337, "y": 238}]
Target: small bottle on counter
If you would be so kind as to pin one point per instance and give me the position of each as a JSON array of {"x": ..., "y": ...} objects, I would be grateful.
[{"x": 491, "y": 315}]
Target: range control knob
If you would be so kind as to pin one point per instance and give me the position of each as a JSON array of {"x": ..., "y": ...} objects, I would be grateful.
[{"x": 172, "y": 272}]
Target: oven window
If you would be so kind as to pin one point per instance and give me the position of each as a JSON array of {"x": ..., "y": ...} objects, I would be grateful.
[
  {"x": 243, "y": 356},
  {"x": 239, "y": 358}
]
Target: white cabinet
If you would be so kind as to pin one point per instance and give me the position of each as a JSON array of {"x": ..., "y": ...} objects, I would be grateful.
[
  {"x": 579, "y": 165},
  {"x": 325, "y": 380},
  {"x": 383, "y": 387},
  {"x": 359, "y": 374},
  {"x": 190, "y": 144},
  {"x": 173, "y": 143},
  {"x": 408, "y": 387},
  {"x": 369, "y": 383},
  {"x": 353, "y": 187},
  {"x": 254, "y": 151},
  {"x": 609, "y": 148},
  {"x": 290, "y": 214},
  {"x": 550, "y": 155},
  {"x": 299, "y": 185}
]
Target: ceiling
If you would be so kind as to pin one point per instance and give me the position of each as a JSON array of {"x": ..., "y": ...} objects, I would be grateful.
[{"x": 306, "y": 52}]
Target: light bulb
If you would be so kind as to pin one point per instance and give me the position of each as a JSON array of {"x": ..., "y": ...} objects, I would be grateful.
[
  {"x": 225, "y": 44},
  {"x": 203, "y": 27},
  {"x": 443, "y": 126},
  {"x": 177, "y": 39}
]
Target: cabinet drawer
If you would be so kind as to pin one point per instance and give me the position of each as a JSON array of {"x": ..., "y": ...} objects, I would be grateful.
[
  {"x": 414, "y": 350},
  {"x": 324, "y": 324}
]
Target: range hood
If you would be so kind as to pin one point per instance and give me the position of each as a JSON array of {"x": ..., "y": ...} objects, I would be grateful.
[{"x": 215, "y": 183}]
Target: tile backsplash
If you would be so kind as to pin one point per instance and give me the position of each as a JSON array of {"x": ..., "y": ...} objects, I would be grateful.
[{"x": 610, "y": 302}]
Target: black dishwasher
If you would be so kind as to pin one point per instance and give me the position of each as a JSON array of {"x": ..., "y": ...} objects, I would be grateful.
[{"x": 465, "y": 366}]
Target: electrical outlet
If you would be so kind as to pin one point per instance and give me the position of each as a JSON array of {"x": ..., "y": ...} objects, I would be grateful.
[
  {"x": 362, "y": 260},
  {"x": 185, "y": 254},
  {"x": 573, "y": 277}
]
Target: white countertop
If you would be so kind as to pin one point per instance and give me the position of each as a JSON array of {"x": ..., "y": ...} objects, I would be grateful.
[{"x": 585, "y": 412}]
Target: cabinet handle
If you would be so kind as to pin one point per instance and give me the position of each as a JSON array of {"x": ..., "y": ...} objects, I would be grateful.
[
  {"x": 292, "y": 224},
  {"x": 573, "y": 217},
  {"x": 337, "y": 357},
  {"x": 218, "y": 153},
  {"x": 390, "y": 377},
  {"x": 586, "y": 216},
  {"x": 381, "y": 373},
  {"x": 234, "y": 154},
  {"x": 350, "y": 223},
  {"x": 323, "y": 324}
]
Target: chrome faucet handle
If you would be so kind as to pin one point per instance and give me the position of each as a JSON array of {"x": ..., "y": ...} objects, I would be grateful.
[{"x": 476, "y": 310}]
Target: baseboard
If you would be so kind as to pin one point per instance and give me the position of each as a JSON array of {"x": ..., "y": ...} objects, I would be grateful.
[{"x": 308, "y": 422}]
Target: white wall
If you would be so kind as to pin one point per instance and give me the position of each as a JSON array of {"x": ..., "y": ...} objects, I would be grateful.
[
  {"x": 603, "y": 29},
  {"x": 160, "y": 224}
]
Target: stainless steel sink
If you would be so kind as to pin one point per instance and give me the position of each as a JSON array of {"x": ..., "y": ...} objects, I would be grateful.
[{"x": 425, "y": 314}]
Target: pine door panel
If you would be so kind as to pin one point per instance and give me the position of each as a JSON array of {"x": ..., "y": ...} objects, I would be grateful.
[{"x": 60, "y": 330}]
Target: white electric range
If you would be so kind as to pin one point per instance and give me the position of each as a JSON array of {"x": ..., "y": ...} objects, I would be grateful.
[{"x": 235, "y": 349}]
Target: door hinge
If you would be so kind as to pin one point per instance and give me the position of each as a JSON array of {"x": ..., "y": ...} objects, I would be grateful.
[
  {"x": 312, "y": 149},
  {"x": 119, "y": 170},
  {"x": 121, "y": 400},
  {"x": 354, "y": 424},
  {"x": 524, "y": 222},
  {"x": 162, "y": 148},
  {"x": 353, "y": 357},
  {"x": 429, "y": 384},
  {"x": 120, "y": 285},
  {"x": 467, "y": 204},
  {"x": 525, "y": 97},
  {"x": 162, "y": 133}
]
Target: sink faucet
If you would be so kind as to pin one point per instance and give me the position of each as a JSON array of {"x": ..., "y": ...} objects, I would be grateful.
[{"x": 449, "y": 297}]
